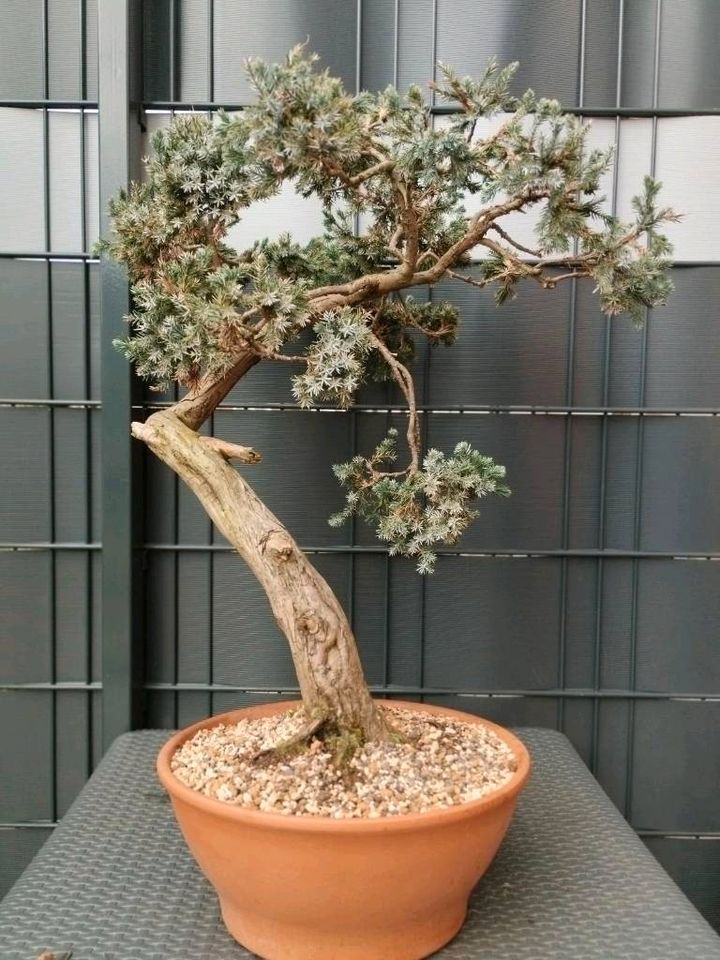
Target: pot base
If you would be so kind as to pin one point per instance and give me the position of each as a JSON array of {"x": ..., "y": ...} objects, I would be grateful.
[{"x": 420, "y": 937}]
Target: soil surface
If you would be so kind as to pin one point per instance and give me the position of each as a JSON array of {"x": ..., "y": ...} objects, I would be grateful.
[{"x": 442, "y": 763}]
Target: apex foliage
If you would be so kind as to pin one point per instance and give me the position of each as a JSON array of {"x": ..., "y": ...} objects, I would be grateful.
[{"x": 200, "y": 306}]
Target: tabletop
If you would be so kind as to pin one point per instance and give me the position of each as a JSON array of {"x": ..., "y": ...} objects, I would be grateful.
[{"x": 572, "y": 881}]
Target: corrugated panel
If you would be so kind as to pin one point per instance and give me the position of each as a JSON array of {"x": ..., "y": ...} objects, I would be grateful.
[
  {"x": 196, "y": 575},
  {"x": 678, "y": 616},
  {"x": 513, "y": 354},
  {"x": 268, "y": 30},
  {"x": 615, "y": 633},
  {"x": 621, "y": 463},
  {"x": 579, "y": 613},
  {"x": 369, "y": 614},
  {"x": 73, "y": 733},
  {"x": 21, "y": 50},
  {"x": 65, "y": 55},
  {"x": 73, "y": 587},
  {"x": 378, "y": 44},
  {"x": 689, "y": 76},
  {"x": 405, "y": 600},
  {"x": 469, "y": 33},
  {"x": 25, "y": 624},
  {"x": 24, "y": 323},
  {"x": 160, "y": 618},
  {"x": 193, "y": 706},
  {"x": 480, "y": 634},
  {"x": 194, "y": 24},
  {"x": 509, "y": 711},
  {"x": 695, "y": 866},
  {"x": 95, "y": 652},
  {"x": 157, "y": 49},
  {"x": 676, "y": 766},
  {"x": 613, "y": 758},
  {"x": 26, "y": 478},
  {"x": 584, "y": 481},
  {"x": 683, "y": 352},
  {"x": 680, "y": 506},
  {"x": 28, "y": 792},
  {"x": 638, "y": 58},
  {"x": 577, "y": 724},
  {"x": 415, "y": 42},
  {"x": 602, "y": 23},
  {"x": 17, "y": 848},
  {"x": 70, "y": 330}
]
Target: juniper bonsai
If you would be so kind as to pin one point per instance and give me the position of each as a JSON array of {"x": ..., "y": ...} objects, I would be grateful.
[{"x": 205, "y": 314}]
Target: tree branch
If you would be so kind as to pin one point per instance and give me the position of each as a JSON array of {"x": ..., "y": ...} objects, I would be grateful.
[
  {"x": 508, "y": 239},
  {"x": 232, "y": 451},
  {"x": 404, "y": 380},
  {"x": 202, "y": 400}
]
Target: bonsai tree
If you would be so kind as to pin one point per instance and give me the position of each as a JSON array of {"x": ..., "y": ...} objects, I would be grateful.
[{"x": 340, "y": 310}]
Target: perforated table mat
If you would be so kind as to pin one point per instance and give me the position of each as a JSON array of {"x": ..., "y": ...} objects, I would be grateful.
[{"x": 571, "y": 882}]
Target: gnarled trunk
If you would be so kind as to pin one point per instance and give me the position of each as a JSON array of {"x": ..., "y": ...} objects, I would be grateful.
[{"x": 323, "y": 648}]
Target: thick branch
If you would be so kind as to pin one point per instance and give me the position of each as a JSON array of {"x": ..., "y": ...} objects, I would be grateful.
[
  {"x": 199, "y": 403},
  {"x": 384, "y": 166},
  {"x": 479, "y": 225}
]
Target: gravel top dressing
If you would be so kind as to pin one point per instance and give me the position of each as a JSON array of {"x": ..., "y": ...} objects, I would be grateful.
[{"x": 445, "y": 762}]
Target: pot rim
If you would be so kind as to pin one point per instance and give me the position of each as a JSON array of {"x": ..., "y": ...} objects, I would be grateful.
[{"x": 322, "y": 824}]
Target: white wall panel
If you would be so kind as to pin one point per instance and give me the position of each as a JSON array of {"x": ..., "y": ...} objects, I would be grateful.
[
  {"x": 22, "y": 220},
  {"x": 634, "y": 161},
  {"x": 687, "y": 163},
  {"x": 287, "y": 212},
  {"x": 92, "y": 188},
  {"x": 65, "y": 165}
]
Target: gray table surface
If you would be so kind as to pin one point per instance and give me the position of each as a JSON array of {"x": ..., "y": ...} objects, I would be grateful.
[{"x": 571, "y": 881}]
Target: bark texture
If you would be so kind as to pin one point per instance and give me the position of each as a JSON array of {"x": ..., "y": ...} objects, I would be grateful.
[{"x": 323, "y": 648}]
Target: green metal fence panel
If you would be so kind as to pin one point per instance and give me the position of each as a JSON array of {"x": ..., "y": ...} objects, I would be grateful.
[{"x": 49, "y": 525}]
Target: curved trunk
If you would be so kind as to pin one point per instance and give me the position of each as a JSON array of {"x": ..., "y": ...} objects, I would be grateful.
[{"x": 323, "y": 648}]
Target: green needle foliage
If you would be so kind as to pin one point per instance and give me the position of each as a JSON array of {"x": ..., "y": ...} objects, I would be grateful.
[
  {"x": 417, "y": 511},
  {"x": 200, "y": 306}
]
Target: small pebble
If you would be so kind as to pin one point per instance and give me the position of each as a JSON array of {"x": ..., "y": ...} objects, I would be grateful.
[{"x": 443, "y": 763}]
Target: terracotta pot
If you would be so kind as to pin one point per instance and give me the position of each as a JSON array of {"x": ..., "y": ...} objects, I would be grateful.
[{"x": 314, "y": 888}]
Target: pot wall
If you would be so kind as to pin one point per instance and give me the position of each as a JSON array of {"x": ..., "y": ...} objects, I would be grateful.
[{"x": 313, "y": 888}]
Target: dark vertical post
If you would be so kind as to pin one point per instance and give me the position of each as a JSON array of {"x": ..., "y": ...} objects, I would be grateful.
[{"x": 119, "y": 147}]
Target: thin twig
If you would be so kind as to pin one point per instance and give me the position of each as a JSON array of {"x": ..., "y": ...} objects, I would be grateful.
[{"x": 404, "y": 380}]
